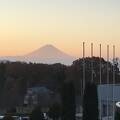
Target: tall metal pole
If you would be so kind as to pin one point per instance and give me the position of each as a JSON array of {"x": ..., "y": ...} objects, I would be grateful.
[
  {"x": 92, "y": 61},
  {"x": 100, "y": 64},
  {"x": 83, "y": 81},
  {"x": 113, "y": 81},
  {"x": 100, "y": 83},
  {"x": 83, "y": 67},
  {"x": 108, "y": 81}
]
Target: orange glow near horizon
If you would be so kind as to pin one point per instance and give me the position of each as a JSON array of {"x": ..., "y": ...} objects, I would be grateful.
[
  {"x": 16, "y": 48},
  {"x": 27, "y": 25}
]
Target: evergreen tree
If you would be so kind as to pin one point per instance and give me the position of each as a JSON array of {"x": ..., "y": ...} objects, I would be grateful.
[
  {"x": 68, "y": 101},
  {"x": 90, "y": 102}
]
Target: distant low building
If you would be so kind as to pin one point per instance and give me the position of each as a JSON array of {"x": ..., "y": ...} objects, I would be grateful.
[{"x": 38, "y": 96}]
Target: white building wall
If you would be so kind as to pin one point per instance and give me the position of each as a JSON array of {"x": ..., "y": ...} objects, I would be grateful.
[{"x": 108, "y": 95}]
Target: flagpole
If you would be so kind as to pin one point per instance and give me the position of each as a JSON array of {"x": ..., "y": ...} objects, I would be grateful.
[
  {"x": 100, "y": 83},
  {"x": 113, "y": 81},
  {"x": 92, "y": 61},
  {"x": 83, "y": 80},
  {"x": 100, "y": 64},
  {"x": 108, "y": 81},
  {"x": 83, "y": 67}
]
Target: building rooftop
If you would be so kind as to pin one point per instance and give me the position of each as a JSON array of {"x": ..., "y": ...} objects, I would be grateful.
[{"x": 39, "y": 90}]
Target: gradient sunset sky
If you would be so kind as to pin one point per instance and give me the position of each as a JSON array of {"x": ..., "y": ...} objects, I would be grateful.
[{"x": 26, "y": 25}]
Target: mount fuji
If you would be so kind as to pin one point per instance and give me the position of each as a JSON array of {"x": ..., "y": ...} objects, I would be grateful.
[{"x": 47, "y": 54}]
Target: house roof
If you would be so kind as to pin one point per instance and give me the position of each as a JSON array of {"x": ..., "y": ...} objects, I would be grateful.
[{"x": 39, "y": 90}]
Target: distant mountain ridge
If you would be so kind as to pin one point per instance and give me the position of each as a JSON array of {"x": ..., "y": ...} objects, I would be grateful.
[{"x": 47, "y": 54}]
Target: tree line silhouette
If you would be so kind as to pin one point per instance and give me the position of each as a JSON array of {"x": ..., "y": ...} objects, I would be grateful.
[{"x": 16, "y": 77}]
